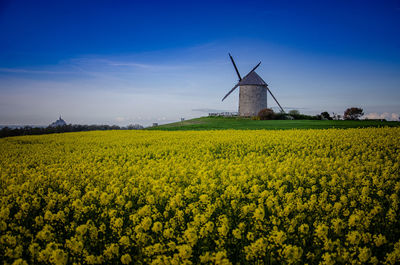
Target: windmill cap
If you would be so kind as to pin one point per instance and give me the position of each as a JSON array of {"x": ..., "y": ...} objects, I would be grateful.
[{"x": 252, "y": 79}]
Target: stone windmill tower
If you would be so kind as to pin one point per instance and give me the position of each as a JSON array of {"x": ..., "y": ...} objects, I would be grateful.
[{"x": 253, "y": 92}]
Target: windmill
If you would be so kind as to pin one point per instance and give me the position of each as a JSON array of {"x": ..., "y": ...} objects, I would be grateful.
[{"x": 253, "y": 92}]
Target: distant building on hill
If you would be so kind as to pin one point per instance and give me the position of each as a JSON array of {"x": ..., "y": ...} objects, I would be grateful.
[{"x": 59, "y": 122}]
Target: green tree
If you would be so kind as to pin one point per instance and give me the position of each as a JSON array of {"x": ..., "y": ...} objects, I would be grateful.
[
  {"x": 353, "y": 113},
  {"x": 325, "y": 115}
]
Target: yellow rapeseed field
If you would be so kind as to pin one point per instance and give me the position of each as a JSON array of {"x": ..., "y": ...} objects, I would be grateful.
[{"x": 216, "y": 197}]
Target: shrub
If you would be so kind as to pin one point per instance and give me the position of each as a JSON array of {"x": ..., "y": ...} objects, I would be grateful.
[
  {"x": 282, "y": 116},
  {"x": 266, "y": 114},
  {"x": 305, "y": 117}
]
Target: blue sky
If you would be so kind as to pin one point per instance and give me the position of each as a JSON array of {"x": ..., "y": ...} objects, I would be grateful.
[{"x": 122, "y": 62}]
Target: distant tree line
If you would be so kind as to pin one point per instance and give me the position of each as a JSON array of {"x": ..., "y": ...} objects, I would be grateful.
[
  {"x": 269, "y": 114},
  {"x": 28, "y": 130},
  {"x": 349, "y": 114}
]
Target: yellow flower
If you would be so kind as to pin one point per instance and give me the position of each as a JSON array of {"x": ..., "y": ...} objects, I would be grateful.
[
  {"x": 146, "y": 223},
  {"x": 328, "y": 259},
  {"x": 354, "y": 237},
  {"x": 259, "y": 214},
  {"x": 379, "y": 240},
  {"x": 365, "y": 254},
  {"x": 278, "y": 237},
  {"x": 292, "y": 254},
  {"x": 321, "y": 231},
  {"x": 124, "y": 241},
  {"x": 111, "y": 251},
  {"x": 304, "y": 228},
  {"x": 354, "y": 219},
  {"x": 237, "y": 233},
  {"x": 191, "y": 236},
  {"x": 58, "y": 257},
  {"x": 185, "y": 251},
  {"x": 81, "y": 230},
  {"x": 157, "y": 227},
  {"x": 126, "y": 259},
  {"x": 20, "y": 262}
]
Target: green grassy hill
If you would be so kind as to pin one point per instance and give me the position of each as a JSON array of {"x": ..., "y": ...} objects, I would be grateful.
[{"x": 222, "y": 123}]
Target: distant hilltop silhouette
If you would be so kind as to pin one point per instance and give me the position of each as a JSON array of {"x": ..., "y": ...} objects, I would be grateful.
[{"x": 59, "y": 122}]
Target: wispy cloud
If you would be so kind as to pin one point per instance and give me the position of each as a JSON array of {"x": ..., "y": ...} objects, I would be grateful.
[
  {"x": 100, "y": 62},
  {"x": 94, "y": 66},
  {"x": 31, "y": 71},
  {"x": 146, "y": 66}
]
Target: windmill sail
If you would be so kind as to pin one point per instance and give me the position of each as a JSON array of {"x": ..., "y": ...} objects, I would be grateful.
[
  {"x": 252, "y": 70},
  {"x": 230, "y": 92},
  {"x": 234, "y": 65},
  {"x": 275, "y": 100}
]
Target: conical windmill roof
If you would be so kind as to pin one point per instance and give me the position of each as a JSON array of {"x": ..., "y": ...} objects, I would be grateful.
[{"x": 252, "y": 79}]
